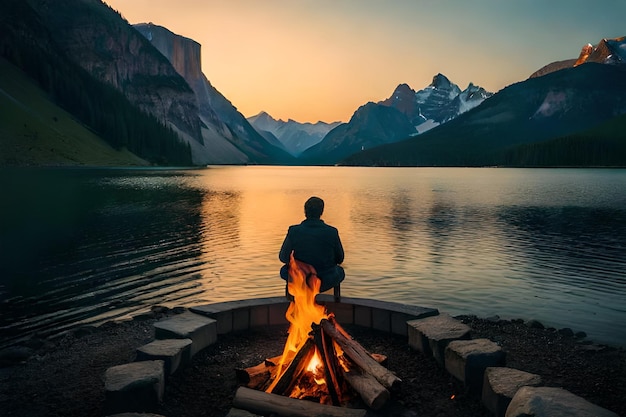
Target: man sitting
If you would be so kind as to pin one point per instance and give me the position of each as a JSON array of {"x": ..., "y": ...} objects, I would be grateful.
[{"x": 315, "y": 243}]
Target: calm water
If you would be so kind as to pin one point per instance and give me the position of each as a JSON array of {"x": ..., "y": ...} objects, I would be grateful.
[{"x": 85, "y": 246}]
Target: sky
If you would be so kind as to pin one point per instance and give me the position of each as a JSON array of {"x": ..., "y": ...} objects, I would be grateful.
[{"x": 312, "y": 60}]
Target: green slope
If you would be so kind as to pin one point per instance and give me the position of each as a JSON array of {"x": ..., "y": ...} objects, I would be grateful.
[{"x": 35, "y": 132}]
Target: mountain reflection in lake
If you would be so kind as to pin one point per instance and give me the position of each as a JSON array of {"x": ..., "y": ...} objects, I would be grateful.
[{"x": 83, "y": 246}]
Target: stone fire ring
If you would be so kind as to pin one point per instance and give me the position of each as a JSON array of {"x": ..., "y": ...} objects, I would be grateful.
[{"x": 136, "y": 388}]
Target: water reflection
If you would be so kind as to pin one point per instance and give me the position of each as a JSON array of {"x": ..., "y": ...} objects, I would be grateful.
[
  {"x": 105, "y": 245},
  {"x": 85, "y": 246}
]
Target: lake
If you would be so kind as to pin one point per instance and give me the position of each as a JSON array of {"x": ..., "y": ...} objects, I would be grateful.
[{"x": 83, "y": 246}]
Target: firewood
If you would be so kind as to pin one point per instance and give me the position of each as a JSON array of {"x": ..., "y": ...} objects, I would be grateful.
[
  {"x": 254, "y": 376},
  {"x": 327, "y": 352},
  {"x": 370, "y": 390},
  {"x": 290, "y": 376},
  {"x": 264, "y": 403},
  {"x": 361, "y": 357},
  {"x": 257, "y": 376}
]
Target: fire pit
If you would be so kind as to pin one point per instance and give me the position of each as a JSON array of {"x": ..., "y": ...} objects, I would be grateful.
[{"x": 321, "y": 362}]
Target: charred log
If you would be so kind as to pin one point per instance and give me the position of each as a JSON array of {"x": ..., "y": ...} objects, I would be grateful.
[{"x": 264, "y": 403}]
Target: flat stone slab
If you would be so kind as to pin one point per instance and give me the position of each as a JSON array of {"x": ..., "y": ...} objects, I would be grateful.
[
  {"x": 136, "y": 386},
  {"x": 243, "y": 314},
  {"x": 432, "y": 335},
  {"x": 200, "y": 329},
  {"x": 552, "y": 402},
  {"x": 380, "y": 315},
  {"x": 501, "y": 384},
  {"x": 173, "y": 353},
  {"x": 467, "y": 360}
]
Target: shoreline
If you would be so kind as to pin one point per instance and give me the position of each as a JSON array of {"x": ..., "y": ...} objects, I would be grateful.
[{"x": 63, "y": 376}]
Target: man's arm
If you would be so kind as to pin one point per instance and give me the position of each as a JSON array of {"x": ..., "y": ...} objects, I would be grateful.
[
  {"x": 285, "y": 250},
  {"x": 339, "y": 254}
]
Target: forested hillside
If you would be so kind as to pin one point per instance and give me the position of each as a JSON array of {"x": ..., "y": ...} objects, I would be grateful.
[
  {"x": 604, "y": 145},
  {"x": 27, "y": 44}
]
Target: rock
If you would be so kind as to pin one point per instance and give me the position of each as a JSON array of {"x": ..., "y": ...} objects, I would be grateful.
[
  {"x": 534, "y": 324},
  {"x": 550, "y": 401},
  {"x": 173, "y": 352},
  {"x": 137, "y": 386},
  {"x": 201, "y": 330},
  {"x": 580, "y": 335},
  {"x": 467, "y": 360},
  {"x": 159, "y": 309},
  {"x": 431, "y": 335},
  {"x": 566, "y": 331},
  {"x": 179, "y": 310},
  {"x": 500, "y": 386}
]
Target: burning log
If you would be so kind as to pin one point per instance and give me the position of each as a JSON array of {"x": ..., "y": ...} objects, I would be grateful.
[
  {"x": 320, "y": 360},
  {"x": 329, "y": 358},
  {"x": 360, "y": 356},
  {"x": 297, "y": 365},
  {"x": 264, "y": 403}
]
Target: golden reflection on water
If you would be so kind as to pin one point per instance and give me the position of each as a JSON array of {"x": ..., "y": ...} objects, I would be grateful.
[
  {"x": 475, "y": 241},
  {"x": 544, "y": 244},
  {"x": 393, "y": 228}
]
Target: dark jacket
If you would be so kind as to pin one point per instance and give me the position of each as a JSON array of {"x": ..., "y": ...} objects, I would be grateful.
[{"x": 318, "y": 244}]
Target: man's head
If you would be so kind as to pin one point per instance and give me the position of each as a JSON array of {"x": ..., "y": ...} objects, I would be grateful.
[{"x": 313, "y": 208}]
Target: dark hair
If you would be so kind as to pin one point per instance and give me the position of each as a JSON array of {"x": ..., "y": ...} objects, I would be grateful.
[{"x": 314, "y": 207}]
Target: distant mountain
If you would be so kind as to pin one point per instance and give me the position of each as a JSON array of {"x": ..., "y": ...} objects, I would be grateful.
[
  {"x": 607, "y": 51},
  {"x": 538, "y": 109},
  {"x": 227, "y": 136},
  {"x": 295, "y": 137},
  {"x": 438, "y": 103},
  {"x": 406, "y": 113},
  {"x": 370, "y": 126}
]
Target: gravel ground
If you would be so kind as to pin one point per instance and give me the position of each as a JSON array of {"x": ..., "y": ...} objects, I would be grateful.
[{"x": 64, "y": 376}]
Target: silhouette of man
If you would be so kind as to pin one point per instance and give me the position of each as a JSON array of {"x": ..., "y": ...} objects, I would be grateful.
[{"x": 315, "y": 243}]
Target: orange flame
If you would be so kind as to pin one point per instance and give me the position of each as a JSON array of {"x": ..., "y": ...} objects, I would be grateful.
[{"x": 303, "y": 311}]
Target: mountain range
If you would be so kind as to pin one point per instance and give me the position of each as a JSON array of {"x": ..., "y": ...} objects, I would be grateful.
[
  {"x": 140, "y": 90},
  {"x": 294, "y": 137},
  {"x": 405, "y": 113},
  {"x": 539, "y": 109}
]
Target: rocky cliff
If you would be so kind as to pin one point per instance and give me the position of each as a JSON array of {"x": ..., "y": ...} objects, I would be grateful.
[
  {"x": 100, "y": 41},
  {"x": 438, "y": 103},
  {"x": 607, "y": 51},
  {"x": 227, "y": 135}
]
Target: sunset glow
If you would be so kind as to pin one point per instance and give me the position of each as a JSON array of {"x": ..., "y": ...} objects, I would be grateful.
[{"x": 321, "y": 60}]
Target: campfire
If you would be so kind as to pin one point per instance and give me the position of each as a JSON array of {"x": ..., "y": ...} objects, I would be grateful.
[{"x": 320, "y": 362}]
